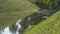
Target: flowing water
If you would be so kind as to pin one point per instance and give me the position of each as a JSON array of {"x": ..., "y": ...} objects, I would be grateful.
[
  {"x": 7, "y": 29},
  {"x": 22, "y": 24}
]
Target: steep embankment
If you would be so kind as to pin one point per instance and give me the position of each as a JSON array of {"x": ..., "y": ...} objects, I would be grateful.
[
  {"x": 13, "y": 10},
  {"x": 48, "y": 26}
]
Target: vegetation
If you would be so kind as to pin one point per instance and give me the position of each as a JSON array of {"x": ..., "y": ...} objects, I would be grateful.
[
  {"x": 48, "y": 26},
  {"x": 51, "y": 3},
  {"x": 36, "y": 13}
]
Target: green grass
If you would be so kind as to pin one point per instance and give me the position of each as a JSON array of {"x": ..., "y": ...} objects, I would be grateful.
[
  {"x": 49, "y": 26},
  {"x": 13, "y": 10},
  {"x": 15, "y": 6}
]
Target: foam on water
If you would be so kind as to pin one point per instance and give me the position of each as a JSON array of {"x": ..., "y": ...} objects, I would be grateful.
[{"x": 7, "y": 31}]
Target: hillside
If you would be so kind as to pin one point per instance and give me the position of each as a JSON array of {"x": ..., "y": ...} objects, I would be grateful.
[
  {"x": 48, "y": 26},
  {"x": 13, "y": 10},
  {"x": 30, "y": 16}
]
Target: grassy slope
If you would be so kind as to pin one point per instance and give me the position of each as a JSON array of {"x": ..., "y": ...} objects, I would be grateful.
[
  {"x": 12, "y": 10},
  {"x": 49, "y": 26}
]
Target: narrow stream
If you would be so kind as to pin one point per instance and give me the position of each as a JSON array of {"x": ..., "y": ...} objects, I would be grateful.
[{"x": 22, "y": 24}]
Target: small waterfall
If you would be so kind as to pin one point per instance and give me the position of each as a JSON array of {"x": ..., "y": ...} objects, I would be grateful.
[
  {"x": 7, "y": 30},
  {"x": 18, "y": 24}
]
